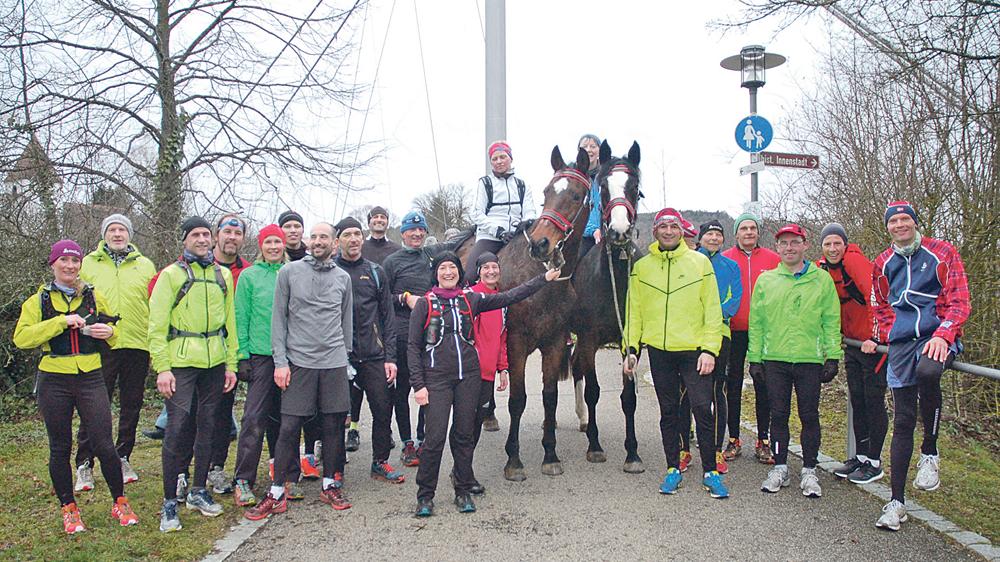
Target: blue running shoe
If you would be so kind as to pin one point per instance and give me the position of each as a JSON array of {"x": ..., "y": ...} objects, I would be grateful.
[
  {"x": 671, "y": 481},
  {"x": 713, "y": 483},
  {"x": 425, "y": 508}
]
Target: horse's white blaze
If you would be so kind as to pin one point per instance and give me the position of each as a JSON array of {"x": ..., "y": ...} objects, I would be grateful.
[
  {"x": 560, "y": 185},
  {"x": 616, "y": 188}
]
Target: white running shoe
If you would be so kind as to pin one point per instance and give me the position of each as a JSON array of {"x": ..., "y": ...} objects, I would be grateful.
[
  {"x": 182, "y": 487},
  {"x": 84, "y": 478},
  {"x": 928, "y": 473},
  {"x": 777, "y": 478},
  {"x": 893, "y": 513},
  {"x": 809, "y": 483},
  {"x": 129, "y": 474}
]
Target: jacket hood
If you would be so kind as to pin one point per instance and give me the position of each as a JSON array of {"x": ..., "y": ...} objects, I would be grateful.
[{"x": 270, "y": 266}]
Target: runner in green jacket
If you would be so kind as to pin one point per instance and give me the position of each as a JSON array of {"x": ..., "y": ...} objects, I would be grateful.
[{"x": 794, "y": 340}]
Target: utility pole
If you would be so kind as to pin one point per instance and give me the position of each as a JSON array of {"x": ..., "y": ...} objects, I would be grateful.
[{"x": 496, "y": 73}]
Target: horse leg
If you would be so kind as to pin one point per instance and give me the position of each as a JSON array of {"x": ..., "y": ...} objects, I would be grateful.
[
  {"x": 633, "y": 463},
  {"x": 583, "y": 362},
  {"x": 552, "y": 364},
  {"x": 514, "y": 470},
  {"x": 582, "y": 412}
]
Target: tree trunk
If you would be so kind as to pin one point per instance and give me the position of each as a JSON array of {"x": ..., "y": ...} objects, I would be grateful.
[{"x": 167, "y": 204}]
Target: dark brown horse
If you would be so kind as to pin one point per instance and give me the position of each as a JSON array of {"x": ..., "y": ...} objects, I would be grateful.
[
  {"x": 601, "y": 282},
  {"x": 541, "y": 321}
]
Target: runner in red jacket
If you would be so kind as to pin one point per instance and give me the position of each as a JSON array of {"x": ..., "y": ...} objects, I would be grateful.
[
  {"x": 753, "y": 260},
  {"x": 852, "y": 274}
]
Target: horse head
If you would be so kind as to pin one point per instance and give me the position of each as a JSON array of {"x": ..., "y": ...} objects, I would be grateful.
[
  {"x": 567, "y": 202},
  {"x": 619, "y": 180}
]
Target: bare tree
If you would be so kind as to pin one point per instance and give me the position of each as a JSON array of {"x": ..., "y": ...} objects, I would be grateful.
[
  {"x": 208, "y": 85},
  {"x": 444, "y": 208}
]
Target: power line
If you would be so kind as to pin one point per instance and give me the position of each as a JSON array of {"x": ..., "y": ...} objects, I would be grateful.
[
  {"x": 427, "y": 94},
  {"x": 337, "y": 209}
]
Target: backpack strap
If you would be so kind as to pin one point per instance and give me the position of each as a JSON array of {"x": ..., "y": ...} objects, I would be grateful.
[
  {"x": 520, "y": 190},
  {"x": 488, "y": 185},
  {"x": 191, "y": 280}
]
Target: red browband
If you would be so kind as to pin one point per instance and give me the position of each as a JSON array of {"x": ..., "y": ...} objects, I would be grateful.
[
  {"x": 556, "y": 219},
  {"x": 620, "y": 168},
  {"x": 620, "y": 202},
  {"x": 573, "y": 174}
]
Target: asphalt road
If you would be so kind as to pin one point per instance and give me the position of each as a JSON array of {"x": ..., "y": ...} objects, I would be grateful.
[{"x": 593, "y": 511}]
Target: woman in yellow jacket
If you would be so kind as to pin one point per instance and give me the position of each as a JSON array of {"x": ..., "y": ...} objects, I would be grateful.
[{"x": 67, "y": 319}]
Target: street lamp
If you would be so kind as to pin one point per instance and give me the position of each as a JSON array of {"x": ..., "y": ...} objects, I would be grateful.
[{"x": 752, "y": 64}]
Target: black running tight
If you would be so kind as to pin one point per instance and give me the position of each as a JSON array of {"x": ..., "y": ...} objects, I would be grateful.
[{"x": 927, "y": 395}]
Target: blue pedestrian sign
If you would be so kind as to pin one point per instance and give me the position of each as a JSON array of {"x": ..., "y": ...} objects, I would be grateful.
[{"x": 754, "y": 133}]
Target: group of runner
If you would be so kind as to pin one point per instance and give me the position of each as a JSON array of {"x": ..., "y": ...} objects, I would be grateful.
[{"x": 315, "y": 326}]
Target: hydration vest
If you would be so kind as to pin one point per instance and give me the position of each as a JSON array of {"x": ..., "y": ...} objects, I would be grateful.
[
  {"x": 434, "y": 325},
  {"x": 185, "y": 288},
  {"x": 71, "y": 341}
]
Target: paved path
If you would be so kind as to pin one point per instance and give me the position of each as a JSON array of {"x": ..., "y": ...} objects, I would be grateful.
[{"x": 593, "y": 511}]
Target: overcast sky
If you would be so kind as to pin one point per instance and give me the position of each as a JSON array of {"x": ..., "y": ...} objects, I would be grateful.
[{"x": 628, "y": 70}]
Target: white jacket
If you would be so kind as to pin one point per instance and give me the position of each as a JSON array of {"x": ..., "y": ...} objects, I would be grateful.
[{"x": 506, "y": 212}]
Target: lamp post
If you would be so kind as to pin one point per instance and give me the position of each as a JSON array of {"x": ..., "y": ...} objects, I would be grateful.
[{"x": 751, "y": 63}]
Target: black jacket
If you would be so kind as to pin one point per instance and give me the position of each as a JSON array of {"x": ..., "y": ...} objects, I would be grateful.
[
  {"x": 377, "y": 250},
  {"x": 454, "y": 358},
  {"x": 409, "y": 270},
  {"x": 374, "y": 321}
]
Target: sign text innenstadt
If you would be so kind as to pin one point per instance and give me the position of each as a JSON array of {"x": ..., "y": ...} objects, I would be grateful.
[{"x": 785, "y": 160}]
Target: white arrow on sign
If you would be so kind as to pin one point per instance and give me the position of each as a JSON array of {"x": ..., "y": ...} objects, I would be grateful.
[{"x": 755, "y": 167}]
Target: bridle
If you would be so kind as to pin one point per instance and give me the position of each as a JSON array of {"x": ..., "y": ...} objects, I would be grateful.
[
  {"x": 629, "y": 209},
  {"x": 558, "y": 220}
]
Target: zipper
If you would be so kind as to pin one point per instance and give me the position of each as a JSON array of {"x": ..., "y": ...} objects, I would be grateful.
[
  {"x": 909, "y": 283},
  {"x": 378, "y": 338},
  {"x": 208, "y": 347},
  {"x": 666, "y": 306},
  {"x": 458, "y": 349}
]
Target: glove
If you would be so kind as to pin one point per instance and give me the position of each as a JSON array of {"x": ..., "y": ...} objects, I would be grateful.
[
  {"x": 243, "y": 370},
  {"x": 504, "y": 235},
  {"x": 756, "y": 370},
  {"x": 830, "y": 369}
]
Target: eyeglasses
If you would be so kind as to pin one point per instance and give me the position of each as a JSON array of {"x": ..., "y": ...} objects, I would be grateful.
[{"x": 791, "y": 243}]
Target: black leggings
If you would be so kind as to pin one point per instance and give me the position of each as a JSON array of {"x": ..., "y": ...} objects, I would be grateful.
[
  {"x": 190, "y": 423},
  {"x": 668, "y": 369},
  {"x": 805, "y": 377},
  {"x": 370, "y": 380},
  {"x": 332, "y": 431},
  {"x": 926, "y": 393},
  {"x": 734, "y": 390},
  {"x": 261, "y": 418},
  {"x": 457, "y": 400},
  {"x": 127, "y": 370},
  {"x": 58, "y": 396},
  {"x": 866, "y": 388},
  {"x": 719, "y": 405}
]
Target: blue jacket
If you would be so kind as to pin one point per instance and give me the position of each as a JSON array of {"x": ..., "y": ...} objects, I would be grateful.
[
  {"x": 727, "y": 274},
  {"x": 594, "y": 218}
]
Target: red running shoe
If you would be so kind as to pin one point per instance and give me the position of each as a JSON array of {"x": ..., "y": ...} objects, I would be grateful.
[
  {"x": 72, "y": 523},
  {"x": 685, "y": 461},
  {"x": 334, "y": 496},
  {"x": 266, "y": 508},
  {"x": 309, "y": 470},
  {"x": 721, "y": 466},
  {"x": 409, "y": 456},
  {"x": 122, "y": 511}
]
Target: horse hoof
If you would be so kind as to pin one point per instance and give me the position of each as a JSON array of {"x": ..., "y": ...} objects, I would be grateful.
[
  {"x": 552, "y": 469},
  {"x": 514, "y": 474},
  {"x": 596, "y": 456},
  {"x": 634, "y": 467},
  {"x": 583, "y": 427}
]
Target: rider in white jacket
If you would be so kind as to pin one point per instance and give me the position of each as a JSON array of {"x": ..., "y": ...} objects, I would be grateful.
[{"x": 496, "y": 218}]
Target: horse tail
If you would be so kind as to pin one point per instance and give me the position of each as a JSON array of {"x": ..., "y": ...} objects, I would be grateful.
[{"x": 565, "y": 369}]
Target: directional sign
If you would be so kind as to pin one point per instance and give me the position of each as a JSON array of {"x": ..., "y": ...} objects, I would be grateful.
[
  {"x": 753, "y": 133},
  {"x": 755, "y": 167},
  {"x": 783, "y": 160}
]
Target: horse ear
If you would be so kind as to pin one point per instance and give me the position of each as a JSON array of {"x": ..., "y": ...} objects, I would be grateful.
[
  {"x": 557, "y": 160},
  {"x": 582, "y": 160},
  {"x": 633, "y": 154},
  {"x": 605, "y": 153}
]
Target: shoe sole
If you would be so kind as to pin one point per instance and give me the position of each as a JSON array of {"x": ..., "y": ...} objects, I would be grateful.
[
  {"x": 859, "y": 482},
  {"x": 270, "y": 513},
  {"x": 427, "y": 513},
  {"x": 381, "y": 478},
  {"x": 783, "y": 485},
  {"x": 128, "y": 523},
  {"x": 931, "y": 489},
  {"x": 203, "y": 512},
  {"x": 714, "y": 495},
  {"x": 668, "y": 492},
  {"x": 814, "y": 496},
  {"x": 130, "y": 480},
  {"x": 171, "y": 530},
  {"x": 902, "y": 520},
  {"x": 466, "y": 510},
  {"x": 338, "y": 507}
]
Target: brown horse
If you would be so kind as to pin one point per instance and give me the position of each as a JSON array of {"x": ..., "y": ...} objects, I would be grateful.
[
  {"x": 541, "y": 321},
  {"x": 601, "y": 282}
]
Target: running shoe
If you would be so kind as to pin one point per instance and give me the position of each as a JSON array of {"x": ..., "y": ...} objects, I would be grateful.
[
  {"x": 733, "y": 449},
  {"x": 334, "y": 497},
  {"x": 850, "y": 466},
  {"x": 491, "y": 423},
  {"x": 893, "y": 513},
  {"x": 72, "y": 522},
  {"x": 477, "y": 489},
  {"x": 425, "y": 508},
  {"x": 157, "y": 433},
  {"x": 266, "y": 508},
  {"x": 84, "y": 478},
  {"x": 866, "y": 473},
  {"x": 122, "y": 511},
  {"x": 293, "y": 491},
  {"x": 777, "y": 478},
  {"x": 465, "y": 504},
  {"x": 308, "y": 467},
  {"x": 169, "y": 520},
  {"x": 219, "y": 481},
  {"x": 129, "y": 474},
  {"x": 721, "y": 466},
  {"x": 928, "y": 473},
  {"x": 353, "y": 442},
  {"x": 382, "y": 470},
  {"x": 243, "y": 494},
  {"x": 198, "y": 499},
  {"x": 685, "y": 461},
  {"x": 809, "y": 483},
  {"x": 182, "y": 487},
  {"x": 713, "y": 483},
  {"x": 409, "y": 455},
  {"x": 763, "y": 452},
  {"x": 338, "y": 479},
  {"x": 671, "y": 481}
]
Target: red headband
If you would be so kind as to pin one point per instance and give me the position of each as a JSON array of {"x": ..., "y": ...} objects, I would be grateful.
[{"x": 501, "y": 146}]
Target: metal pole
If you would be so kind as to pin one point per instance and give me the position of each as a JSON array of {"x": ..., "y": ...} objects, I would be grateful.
[
  {"x": 496, "y": 72},
  {"x": 753, "y": 157}
]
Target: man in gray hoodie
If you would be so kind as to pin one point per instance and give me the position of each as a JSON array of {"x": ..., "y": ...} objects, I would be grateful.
[{"x": 312, "y": 314}]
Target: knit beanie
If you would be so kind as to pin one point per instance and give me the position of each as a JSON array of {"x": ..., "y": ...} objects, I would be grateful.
[
  {"x": 413, "y": 219},
  {"x": 376, "y": 210},
  {"x": 500, "y": 146},
  {"x": 485, "y": 258},
  {"x": 66, "y": 248},
  {"x": 668, "y": 214},
  {"x": 688, "y": 228},
  {"x": 290, "y": 215},
  {"x": 192, "y": 223},
  {"x": 709, "y": 226},
  {"x": 270, "y": 230},
  {"x": 833, "y": 228},
  {"x": 117, "y": 219},
  {"x": 897, "y": 207},
  {"x": 347, "y": 222},
  {"x": 446, "y": 257},
  {"x": 747, "y": 216}
]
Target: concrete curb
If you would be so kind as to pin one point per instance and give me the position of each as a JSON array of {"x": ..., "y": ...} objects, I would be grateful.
[
  {"x": 237, "y": 535},
  {"x": 973, "y": 542}
]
